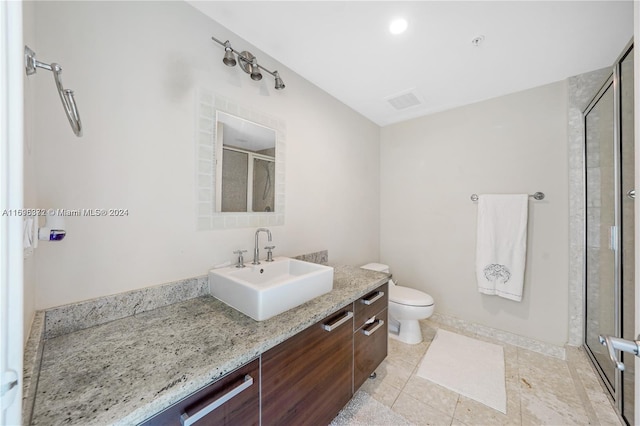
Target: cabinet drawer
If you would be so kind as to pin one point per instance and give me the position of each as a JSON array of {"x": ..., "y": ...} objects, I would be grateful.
[
  {"x": 370, "y": 348},
  {"x": 370, "y": 304},
  {"x": 235, "y": 399},
  {"x": 307, "y": 379}
]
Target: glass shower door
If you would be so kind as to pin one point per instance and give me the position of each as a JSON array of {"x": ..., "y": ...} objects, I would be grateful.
[
  {"x": 610, "y": 230},
  {"x": 600, "y": 315}
]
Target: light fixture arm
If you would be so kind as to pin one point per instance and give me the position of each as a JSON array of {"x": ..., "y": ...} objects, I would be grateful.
[
  {"x": 264, "y": 69},
  {"x": 251, "y": 61}
]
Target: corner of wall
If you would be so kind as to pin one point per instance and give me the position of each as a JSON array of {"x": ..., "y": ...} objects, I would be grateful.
[{"x": 30, "y": 192}]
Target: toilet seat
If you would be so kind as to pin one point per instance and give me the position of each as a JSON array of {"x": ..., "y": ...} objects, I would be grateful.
[{"x": 409, "y": 296}]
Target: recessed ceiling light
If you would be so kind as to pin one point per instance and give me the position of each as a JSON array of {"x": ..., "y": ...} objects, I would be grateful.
[
  {"x": 398, "y": 26},
  {"x": 477, "y": 41}
]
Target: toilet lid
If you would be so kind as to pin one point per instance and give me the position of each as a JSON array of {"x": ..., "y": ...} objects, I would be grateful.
[{"x": 409, "y": 296}]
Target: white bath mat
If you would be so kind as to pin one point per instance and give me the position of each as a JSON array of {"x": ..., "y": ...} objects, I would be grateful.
[{"x": 467, "y": 366}]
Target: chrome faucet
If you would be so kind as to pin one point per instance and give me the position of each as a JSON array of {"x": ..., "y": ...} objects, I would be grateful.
[{"x": 256, "y": 253}]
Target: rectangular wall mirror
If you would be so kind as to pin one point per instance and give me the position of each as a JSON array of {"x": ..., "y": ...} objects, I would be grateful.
[{"x": 246, "y": 178}]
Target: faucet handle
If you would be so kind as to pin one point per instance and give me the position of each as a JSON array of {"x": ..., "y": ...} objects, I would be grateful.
[
  {"x": 240, "y": 263},
  {"x": 269, "y": 254}
]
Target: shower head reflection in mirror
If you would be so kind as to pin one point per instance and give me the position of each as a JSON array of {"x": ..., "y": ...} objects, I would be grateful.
[
  {"x": 239, "y": 167},
  {"x": 247, "y": 153}
]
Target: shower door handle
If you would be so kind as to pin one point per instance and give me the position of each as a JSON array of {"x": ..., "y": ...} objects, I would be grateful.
[
  {"x": 614, "y": 344},
  {"x": 613, "y": 238}
]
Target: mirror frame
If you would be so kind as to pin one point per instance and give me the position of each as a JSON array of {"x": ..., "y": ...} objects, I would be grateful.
[{"x": 208, "y": 104}]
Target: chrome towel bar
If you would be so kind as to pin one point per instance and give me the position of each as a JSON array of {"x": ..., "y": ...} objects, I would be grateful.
[{"x": 538, "y": 196}]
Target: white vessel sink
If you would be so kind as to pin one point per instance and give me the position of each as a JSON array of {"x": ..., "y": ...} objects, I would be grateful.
[{"x": 270, "y": 288}]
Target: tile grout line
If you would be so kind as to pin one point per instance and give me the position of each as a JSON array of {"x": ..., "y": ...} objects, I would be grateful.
[{"x": 520, "y": 393}]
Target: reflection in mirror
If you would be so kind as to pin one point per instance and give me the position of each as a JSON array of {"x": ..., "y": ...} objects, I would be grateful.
[{"x": 246, "y": 180}]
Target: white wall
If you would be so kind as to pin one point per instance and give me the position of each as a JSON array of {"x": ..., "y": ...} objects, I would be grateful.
[
  {"x": 135, "y": 68},
  {"x": 429, "y": 168}
]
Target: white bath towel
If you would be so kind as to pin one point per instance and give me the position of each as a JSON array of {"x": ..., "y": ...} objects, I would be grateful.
[{"x": 502, "y": 244}]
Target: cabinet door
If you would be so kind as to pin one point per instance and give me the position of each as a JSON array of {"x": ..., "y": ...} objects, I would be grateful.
[
  {"x": 307, "y": 379},
  {"x": 370, "y": 348},
  {"x": 232, "y": 400}
]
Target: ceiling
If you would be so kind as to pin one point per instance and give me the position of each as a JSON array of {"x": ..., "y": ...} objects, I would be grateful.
[{"x": 346, "y": 49}]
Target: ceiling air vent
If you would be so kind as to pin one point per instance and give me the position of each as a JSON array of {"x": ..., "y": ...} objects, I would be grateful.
[{"x": 404, "y": 100}]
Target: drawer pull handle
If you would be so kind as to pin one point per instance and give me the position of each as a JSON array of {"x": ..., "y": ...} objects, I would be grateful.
[
  {"x": 187, "y": 420},
  {"x": 338, "y": 323},
  {"x": 373, "y": 330},
  {"x": 373, "y": 299}
]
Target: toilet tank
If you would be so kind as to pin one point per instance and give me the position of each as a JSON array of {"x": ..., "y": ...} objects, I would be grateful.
[{"x": 379, "y": 267}]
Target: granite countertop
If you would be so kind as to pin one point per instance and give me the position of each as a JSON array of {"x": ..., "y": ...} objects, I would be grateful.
[{"x": 125, "y": 371}]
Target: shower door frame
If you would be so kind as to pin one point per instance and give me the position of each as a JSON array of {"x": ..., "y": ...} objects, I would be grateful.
[{"x": 613, "y": 79}]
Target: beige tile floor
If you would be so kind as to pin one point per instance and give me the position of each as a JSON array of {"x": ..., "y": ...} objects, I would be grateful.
[{"x": 541, "y": 390}]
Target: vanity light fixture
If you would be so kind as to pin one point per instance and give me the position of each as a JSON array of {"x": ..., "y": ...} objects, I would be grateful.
[
  {"x": 248, "y": 63},
  {"x": 229, "y": 60}
]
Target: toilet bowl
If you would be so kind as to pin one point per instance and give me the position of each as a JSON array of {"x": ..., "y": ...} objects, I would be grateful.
[{"x": 406, "y": 306}]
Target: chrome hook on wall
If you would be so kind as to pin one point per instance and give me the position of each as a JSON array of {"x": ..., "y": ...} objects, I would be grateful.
[{"x": 66, "y": 95}]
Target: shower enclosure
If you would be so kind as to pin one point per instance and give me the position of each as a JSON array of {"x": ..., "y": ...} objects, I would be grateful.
[
  {"x": 247, "y": 181},
  {"x": 609, "y": 236}
]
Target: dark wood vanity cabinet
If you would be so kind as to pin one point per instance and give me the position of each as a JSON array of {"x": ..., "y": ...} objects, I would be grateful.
[
  {"x": 307, "y": 379},
  {"x": 370, "y": 336},
  {"x": 231, "y": 400}
]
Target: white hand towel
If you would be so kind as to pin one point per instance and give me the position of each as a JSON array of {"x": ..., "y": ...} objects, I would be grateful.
[
  {"x": 29, "y": 235},
  {"x": 502, "y": 244}
]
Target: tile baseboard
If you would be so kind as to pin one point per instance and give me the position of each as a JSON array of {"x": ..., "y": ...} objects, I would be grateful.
[{"x": 501, "y": 336}]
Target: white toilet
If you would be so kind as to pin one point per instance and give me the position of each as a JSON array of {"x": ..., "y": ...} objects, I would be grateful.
[{"x": 406, "y": 306}]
